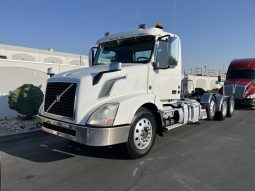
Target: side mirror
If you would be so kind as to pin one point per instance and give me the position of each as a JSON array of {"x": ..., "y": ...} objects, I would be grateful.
[
  {"x": 92, "y": 54},
  {"x": 50, "y": 72},
  {"x": 219, "y": 78},
  {"x": 174, "y": 52}
]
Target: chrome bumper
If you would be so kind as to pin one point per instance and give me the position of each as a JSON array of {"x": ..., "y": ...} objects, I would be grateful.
[
  {"x": 249, "y": 103},
  {"x": 85, "y": 135}
]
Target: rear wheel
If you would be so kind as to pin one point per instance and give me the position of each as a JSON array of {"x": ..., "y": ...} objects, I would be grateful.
[
  {"x": 221, "y": 115},
  {"x": 211, "y": 109},
  {"x": 231, "y": 106},
  {"x": 142, "y": 134}
]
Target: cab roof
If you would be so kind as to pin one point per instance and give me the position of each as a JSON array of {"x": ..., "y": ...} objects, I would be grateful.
[
  {"x": 242, "y": 64},
  {"x": 134, "y": 33}
]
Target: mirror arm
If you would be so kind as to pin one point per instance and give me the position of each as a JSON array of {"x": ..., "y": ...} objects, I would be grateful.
[{"x": 164, "y": 36}]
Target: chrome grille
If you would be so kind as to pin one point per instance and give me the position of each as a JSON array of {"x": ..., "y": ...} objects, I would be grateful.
[
  {"x": 228, "y": 90},
  {"x": 236, "y": 90},
  {"x": 60, "y": 99},
  {"x": 239, "y": 93}
]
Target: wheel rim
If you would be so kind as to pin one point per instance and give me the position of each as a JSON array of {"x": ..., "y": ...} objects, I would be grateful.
[
  {"x": 212, "y": 108},
  {"x": 224, "y": 108},
  {"x": 143, "y": 133},
  {"x": 231, "y": 106}
]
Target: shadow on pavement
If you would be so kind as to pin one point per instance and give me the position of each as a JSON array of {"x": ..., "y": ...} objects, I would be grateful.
[{"x": 42, "y": 147}]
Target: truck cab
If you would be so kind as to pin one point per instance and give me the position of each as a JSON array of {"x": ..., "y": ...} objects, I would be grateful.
[
  {"x": 130, "y": 92},
  {"x": 240, "y": 82}
]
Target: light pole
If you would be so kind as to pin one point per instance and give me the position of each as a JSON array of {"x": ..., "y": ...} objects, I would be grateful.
[{"x": 205, "y": 70}]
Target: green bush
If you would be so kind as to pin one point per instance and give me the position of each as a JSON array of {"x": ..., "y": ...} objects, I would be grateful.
[{"x": 26, "y": 100}]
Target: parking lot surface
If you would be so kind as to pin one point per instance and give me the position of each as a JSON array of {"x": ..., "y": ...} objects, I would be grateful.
[{"x": 212, "y": 155}]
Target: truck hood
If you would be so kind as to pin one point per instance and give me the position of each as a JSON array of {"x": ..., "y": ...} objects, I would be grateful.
[
  {"x": 244, "y": 82},
  {"x": 131, "y": 79},
  {"x": 78, "y": 74},
  {"x": 239, "y": 88}
]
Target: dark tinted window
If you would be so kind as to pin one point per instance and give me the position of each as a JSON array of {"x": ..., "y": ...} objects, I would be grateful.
[{"x": 245, "y": 74}]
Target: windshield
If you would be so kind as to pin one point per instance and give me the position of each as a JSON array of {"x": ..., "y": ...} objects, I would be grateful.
[
  {"x": 132, "y": 50},
  {"x": 244, "y": 74}
]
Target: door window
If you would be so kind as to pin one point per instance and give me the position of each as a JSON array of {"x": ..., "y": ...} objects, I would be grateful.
[{"x": 168, "y": 53}]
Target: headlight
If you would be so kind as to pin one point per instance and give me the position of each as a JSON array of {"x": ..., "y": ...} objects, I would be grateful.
[
  {"x": 104, "y": 115},
  {"x": 252, "y": 96}
]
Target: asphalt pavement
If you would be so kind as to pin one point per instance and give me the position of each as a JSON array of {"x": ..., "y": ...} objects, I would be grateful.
[{"x": 212, "y": 155}]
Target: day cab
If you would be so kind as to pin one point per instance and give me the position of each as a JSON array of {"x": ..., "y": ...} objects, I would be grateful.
[
  {"x": 240, "y": 82},
  {"x": 130, "y": 92}
]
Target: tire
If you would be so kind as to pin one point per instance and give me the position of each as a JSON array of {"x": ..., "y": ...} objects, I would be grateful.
[
  {"x": 231, "y": 106},
  {"x": 211, "y": 109},
  {"x": 142, "y": 134},
  {"x": 222, "y": 114}
]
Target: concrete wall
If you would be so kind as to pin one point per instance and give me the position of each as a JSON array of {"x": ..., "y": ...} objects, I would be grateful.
[{"x": 13, "y": 74}]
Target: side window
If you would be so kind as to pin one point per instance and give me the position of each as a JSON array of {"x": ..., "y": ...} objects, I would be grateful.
[
  {"x": 163, "y": 54},
  {"x": 107, "y": 57},
  {"x": 168, "y": 53}
]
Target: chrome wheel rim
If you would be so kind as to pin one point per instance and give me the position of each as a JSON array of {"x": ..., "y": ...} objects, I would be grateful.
[
  {"x": 231, "y": 106},
  {"x": 224, "y": 108},
  {"x": 143, "y": 133},
  {"x": 212, "y": 108}
]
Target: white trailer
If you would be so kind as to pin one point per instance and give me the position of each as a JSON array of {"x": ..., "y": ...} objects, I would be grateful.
[{"x": 130, "y": 93}]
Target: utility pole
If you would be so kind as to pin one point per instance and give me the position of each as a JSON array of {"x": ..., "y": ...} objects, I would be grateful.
[{"x": 205, "y": 70}]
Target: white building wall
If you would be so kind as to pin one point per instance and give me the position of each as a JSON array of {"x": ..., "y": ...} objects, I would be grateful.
[{"x": 38, "y": 55}]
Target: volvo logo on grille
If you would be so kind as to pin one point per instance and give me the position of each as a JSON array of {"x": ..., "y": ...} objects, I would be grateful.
[{"x": 58, "y": 98}]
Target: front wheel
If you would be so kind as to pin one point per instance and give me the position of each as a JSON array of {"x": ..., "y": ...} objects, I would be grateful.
[{"x": 142, "y": 133}]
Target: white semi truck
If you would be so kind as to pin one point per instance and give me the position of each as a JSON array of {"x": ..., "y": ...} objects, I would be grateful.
[{"x": 130, "y": 93}]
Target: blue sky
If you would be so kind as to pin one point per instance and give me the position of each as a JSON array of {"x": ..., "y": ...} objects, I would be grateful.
[{"x": 213, "y": 32}]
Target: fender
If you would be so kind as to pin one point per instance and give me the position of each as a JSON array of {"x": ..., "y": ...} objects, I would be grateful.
[
  {"x": 129, "y": 105},
  {"x": 206, "y": 97},
  {"x": 219, "y": 101}
]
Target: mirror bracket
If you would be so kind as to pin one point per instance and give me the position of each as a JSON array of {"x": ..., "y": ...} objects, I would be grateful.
[
  {"x": 155, "y": 65},
  {"x": 92, "y": 55}
]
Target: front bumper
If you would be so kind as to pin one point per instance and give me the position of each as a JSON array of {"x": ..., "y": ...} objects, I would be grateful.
[
  {"x": 93, "y": 136},
  {"x": 245, "y": 103}
]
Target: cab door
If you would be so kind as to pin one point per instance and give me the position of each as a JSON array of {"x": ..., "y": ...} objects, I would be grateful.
[{"x": 167, "y": 69}]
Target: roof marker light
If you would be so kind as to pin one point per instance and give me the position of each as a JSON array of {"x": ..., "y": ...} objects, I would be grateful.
[{"x": 158, "y": 25}]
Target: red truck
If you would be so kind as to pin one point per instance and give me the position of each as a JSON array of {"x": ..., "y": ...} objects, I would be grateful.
[{"x": 240, "y": 82}]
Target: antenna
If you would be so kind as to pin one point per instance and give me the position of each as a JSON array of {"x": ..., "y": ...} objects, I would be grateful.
[
  {"x": 137, "y": 16},
  {"x": 174, "y": 16}
]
